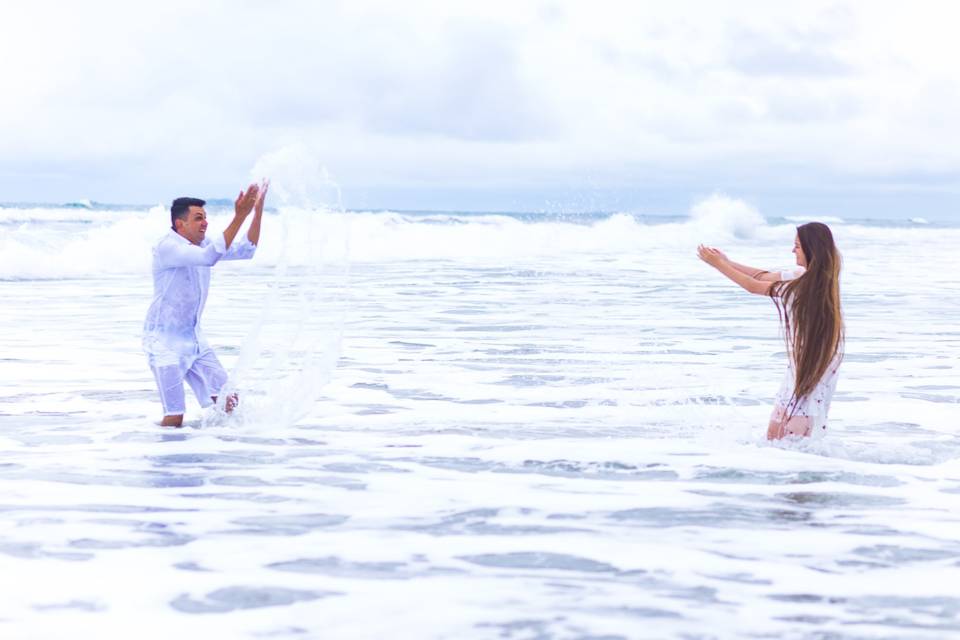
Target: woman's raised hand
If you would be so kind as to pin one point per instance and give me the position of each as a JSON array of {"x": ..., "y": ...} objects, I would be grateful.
[{"x": 711, "y": 256}]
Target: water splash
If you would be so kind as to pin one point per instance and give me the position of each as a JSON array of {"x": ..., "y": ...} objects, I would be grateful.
[
  {"x": 291, "y": 350},
  {"x": 720, "y": 217}
]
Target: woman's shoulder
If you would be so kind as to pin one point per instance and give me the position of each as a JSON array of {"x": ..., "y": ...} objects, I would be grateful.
[{"x": 792, "y": 273}]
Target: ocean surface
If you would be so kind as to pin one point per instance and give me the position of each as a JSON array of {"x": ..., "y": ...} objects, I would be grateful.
[{"x": 469, "y": 425}]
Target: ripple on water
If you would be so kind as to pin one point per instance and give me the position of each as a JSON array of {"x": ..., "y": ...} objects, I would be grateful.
[
  {"x": 154, "y": 539},
  {"x": 234, "y": 598},
  {"x": 252, "y": 497},
  {"x": 719, "y": 516},
  {"x": 141, "y": 479},
  {"x": 902, "y": 428},
  {"x": 539, "y": 629},
  {"x": 287, "y": 525},
  {"x": 739, "y": 578},
  {"x": 539, "y": 560},
  {"x": 212, "y": 460},
  {"x": 611, "y": 469},
  {"x": 338, "y": 567},
  {"x": 418, "y": 394},
  {"x": 350, "y": 484},
  {"x": 932, "y": 613},
  {"x": 255, "y": 440},
  {"x": 120, "y": 396},
  {"x": 94, "y": 508},
  {"x": 363, "y": 467},
  {"x": 639, "y": 612},
  {"x": 892, "y": 555},
  {"x": 845, "y": 500},
  {"x": 46, "y": 440},
  {"x": 156, "y": 435},
  {"x": 240, "y": 481},
  {"x": 477, "y": 522},
  {"x": 604, "y": 469},
  {"x": 80, "y": 605},
  {"x": 926, "y": 613},
  {"x": 529, "y": 380},
  {"x": 805, "y": 598},
  {"x": 748, "y": 476},
  {"x": 931, "y": 397},
  {"x": 564, "y": 404},
  {"x": 862, "y": 529},
  {"x": 32, "y": 550}
]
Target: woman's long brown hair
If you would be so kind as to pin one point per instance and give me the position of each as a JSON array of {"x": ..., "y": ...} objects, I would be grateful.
[{"x": 809, "y": 308}]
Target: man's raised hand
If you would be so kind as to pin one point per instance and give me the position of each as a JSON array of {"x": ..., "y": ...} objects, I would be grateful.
[
  {"x": 264, "y": 188},
  {"x": 245, "y": 201}
]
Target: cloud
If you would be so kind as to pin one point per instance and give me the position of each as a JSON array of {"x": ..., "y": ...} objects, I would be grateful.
[
  {"x": 757, "y": 54},
  {"x": 466, "y": 83},
  {"x": 431, "y": 95},
  {"x": 812, "y": 47}
]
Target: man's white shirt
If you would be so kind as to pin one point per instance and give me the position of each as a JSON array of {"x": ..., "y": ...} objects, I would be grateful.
[{"x": 181, "y": 280}]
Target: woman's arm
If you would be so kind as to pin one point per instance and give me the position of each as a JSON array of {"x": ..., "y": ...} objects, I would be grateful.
[
  {"x": 753, "y": 272},
  {"x": 718, "y": 261}
]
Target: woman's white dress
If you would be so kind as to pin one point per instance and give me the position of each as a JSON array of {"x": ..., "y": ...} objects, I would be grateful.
[{"x": 815, "y": 405}]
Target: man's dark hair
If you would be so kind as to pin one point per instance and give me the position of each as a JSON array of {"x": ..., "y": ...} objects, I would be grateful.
[{"x": 181, "y": 206}]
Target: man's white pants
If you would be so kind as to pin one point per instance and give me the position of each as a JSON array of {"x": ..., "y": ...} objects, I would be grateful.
[{"x": 204, "y": 373}]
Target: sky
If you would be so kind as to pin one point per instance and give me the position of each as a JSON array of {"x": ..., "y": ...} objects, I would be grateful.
[{"x": 836, "y": 108}]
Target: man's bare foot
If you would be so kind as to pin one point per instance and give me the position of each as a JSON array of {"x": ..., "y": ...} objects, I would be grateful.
[
  {"x": 232, "y": 401},
  {"x": 172, "y": 421}
]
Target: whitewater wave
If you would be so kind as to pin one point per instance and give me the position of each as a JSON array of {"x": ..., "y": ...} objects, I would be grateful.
[
  {"x": 38, "y": 243},
  {"x": 823, "y": 219},
  {"x": 723, "y": 217}
]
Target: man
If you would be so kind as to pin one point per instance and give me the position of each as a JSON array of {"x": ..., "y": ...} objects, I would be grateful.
[{"x": 175, "y": 346}]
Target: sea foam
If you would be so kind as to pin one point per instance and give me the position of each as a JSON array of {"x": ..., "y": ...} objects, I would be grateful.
[{"x": 66, "y": 243}]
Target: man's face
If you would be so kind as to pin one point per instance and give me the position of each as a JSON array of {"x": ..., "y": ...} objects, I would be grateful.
[{"x": 194, "y": 226}]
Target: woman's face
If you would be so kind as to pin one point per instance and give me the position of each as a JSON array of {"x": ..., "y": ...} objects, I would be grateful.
[{"x": 798, "y": 251}]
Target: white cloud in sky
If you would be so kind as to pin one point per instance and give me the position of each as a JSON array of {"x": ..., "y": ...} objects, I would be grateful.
[{"x": 120, "y": 101}]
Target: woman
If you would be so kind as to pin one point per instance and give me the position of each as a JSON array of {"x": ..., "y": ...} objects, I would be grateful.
[{"x": 808, "y": 303}]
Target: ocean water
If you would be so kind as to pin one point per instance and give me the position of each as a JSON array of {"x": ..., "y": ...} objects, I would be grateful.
[{"x": 476, "y": 426}]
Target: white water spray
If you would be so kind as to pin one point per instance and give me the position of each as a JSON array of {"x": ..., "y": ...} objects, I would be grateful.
[{"x": 292, "y": 348}]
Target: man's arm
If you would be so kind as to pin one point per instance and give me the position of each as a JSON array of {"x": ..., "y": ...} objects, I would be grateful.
[
  {"x": 241, "y": 209},
  {"x": 253, "y": 233},
  {"x": 176, "y": 254},
  {"x": 246, "y": 247}
]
